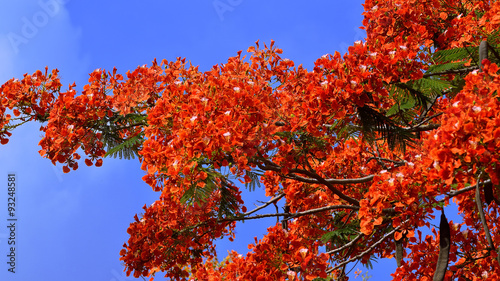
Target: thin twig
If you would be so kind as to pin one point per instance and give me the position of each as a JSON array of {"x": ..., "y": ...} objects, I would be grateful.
[
  {"x": 378, "y": 156},
  {"x": 273, "y": 200},
  {"x": 454, "y": 193},
  {"x": 427, "y": 119},
  {"x": 367, "y": 250},
  {"x": 397, "y": 163},
  {"x": 414, "y": 129},
  {"x": 429, "y": 127},
  {"x": 294, "y": 215},
  {"x": 313, "y": 178},
  {"x": 345, "y": 246},
  {"x": 317, "y": 210}
]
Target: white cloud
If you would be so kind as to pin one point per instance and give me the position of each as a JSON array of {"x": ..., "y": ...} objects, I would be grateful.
[{"x": 35, "y": 34}]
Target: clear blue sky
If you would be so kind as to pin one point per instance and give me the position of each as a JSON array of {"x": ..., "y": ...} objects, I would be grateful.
[{"x": 72, "y": 226}]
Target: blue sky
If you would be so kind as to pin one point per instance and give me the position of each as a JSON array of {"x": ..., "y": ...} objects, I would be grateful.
[{"x": 72, "y": 226}]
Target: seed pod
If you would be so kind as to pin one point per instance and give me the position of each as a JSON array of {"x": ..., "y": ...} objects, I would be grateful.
[
  {"x": 399, "y": 251},
  {"x": 444, "y": 249},
  {"x": 483, "y": 52},
  {"x": 488, "y": 192}
]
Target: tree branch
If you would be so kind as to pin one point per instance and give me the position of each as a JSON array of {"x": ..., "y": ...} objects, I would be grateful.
[
  {"x": 454, "y": 193},
  {"x": 273, "y": 200},
  {"x": 419, "y": 128},
  {"x": 314, "y": 178},
  {"x": 294, "y": 215},
  {"x": 427, "y": 119},
  {"x": 395, "y": 162},
  {"x": 333, "y": 181},
  {"x": 345, "y": 246},
  {"x": 367, "y": 251},
  {"x": 317, "y": 210}
]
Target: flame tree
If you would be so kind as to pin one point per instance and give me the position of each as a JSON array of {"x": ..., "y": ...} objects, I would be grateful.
[{"x": 361, "y": 151}]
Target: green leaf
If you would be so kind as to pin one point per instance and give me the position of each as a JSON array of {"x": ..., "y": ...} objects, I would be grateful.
[
  {"x": 455, "y": 54},
  {"x": 444, "y": 67},
  {"x": 339, "y": 236},
  {"x": 408, "y": 104},
  {"x": 228, "y": 203},
  {"x": 375, "y": 122},
  {"x": 127, "y": 149},
  {"x": 431, "y": 87},
  {"x": 255, "y": 177},
  {"x": 196, "y": 195}
]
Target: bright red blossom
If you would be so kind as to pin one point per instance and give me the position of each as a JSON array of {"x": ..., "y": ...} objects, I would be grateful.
[{"x": 361, "y": 151}]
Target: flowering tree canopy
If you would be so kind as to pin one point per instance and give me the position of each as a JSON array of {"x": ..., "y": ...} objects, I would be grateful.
[{"x": 361, "y": 151}]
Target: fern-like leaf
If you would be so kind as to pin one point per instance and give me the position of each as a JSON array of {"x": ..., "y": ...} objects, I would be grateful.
[
  {"x": 255, "y": 177},
  {"x": 445, "y": 67},
  {"x": 456, "y": 54},
  {"x": 196, "y": 194},
  {"x": 374, "y": 122},
  {"x": 126, "y": 149},
  {"x": 228, "y": 204}
]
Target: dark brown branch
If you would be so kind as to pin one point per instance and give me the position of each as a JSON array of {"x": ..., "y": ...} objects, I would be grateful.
[
  {"x": 423, "y": 128},
  {"x": 292, "y": 216},
  {"x": 334, "y": 181},
  {"x": 427, "y": 119},
  {"x": 396, "y": 163},
  {"x": 273, "y": 200},
  {"x": 351, "y": 181},
  {"x": 470, "y": 260},
  {"x": 333, "y": 189},
  {"x": 317, "y": 210},
  {"x": 270, "y": 166},
  {"x": 454, "y": 193},
  {"x": 429, "y": 127}
]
